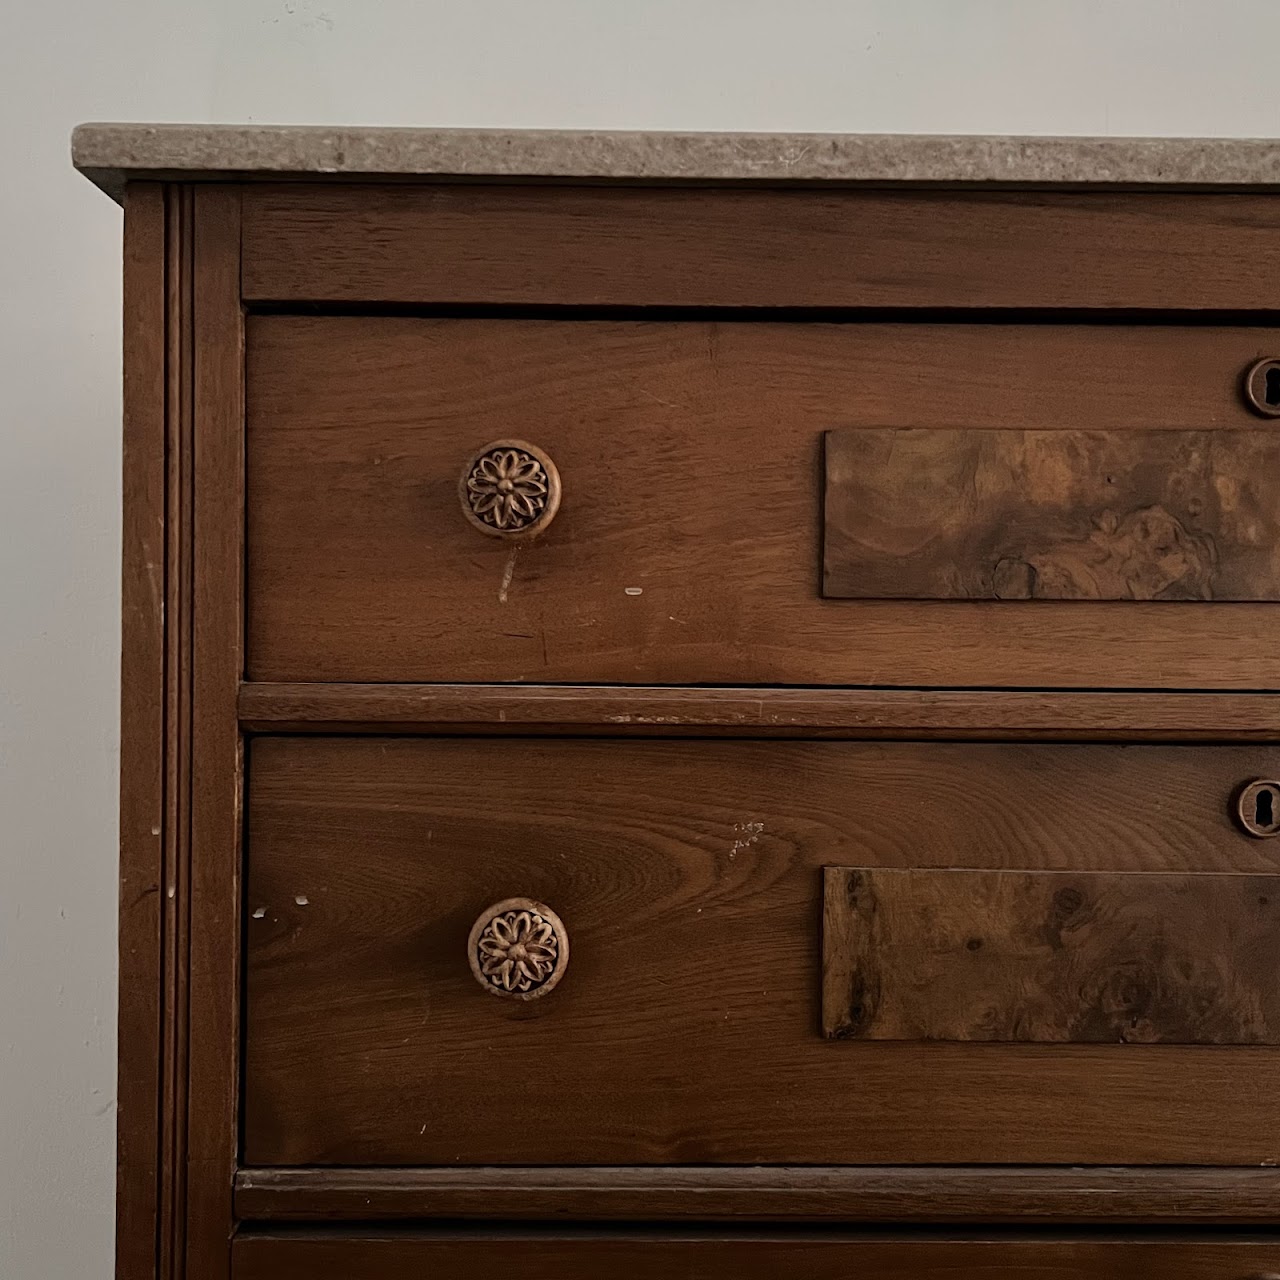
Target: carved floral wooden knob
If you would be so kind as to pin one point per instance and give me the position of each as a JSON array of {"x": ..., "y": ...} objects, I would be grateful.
[
  {"x": 518, "y": 948},
  {"x": 510, "y": 489}
]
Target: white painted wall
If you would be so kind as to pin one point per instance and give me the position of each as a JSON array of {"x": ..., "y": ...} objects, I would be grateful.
[{"x": 961, "y": 66}]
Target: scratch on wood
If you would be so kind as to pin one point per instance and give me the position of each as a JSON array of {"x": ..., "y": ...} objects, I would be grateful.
[
  {"x": 155, "y": 583},
  {"x": 626, "y": 719},
  {"x": 747, "y": 833},
  {"x": 508, "y": 573}
]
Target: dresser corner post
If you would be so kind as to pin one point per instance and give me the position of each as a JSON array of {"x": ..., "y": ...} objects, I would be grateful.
[
  {"x": 176, "y": 1132},
  {"x": 147, "y": 707}
]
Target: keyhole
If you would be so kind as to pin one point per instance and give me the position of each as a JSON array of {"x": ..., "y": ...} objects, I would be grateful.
[
  {"x": 1257, "y": 808},
  {"x": 1262, "y": 387},
  {"x": 1262, "y": 807}
]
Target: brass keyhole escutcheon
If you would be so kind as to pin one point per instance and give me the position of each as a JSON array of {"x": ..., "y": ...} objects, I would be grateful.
[
  {"x": 1258, "y": 808},
  {"x": 1262, "y": 387}
]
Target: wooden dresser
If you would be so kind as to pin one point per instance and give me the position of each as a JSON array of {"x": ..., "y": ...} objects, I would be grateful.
[{"x": 698, "y": 706}]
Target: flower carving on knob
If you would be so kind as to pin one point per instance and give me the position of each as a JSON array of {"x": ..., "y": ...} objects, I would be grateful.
[
  {"x": 518, "y": 951},
  {"x": 510, "y": 488},
  {"x": 519, "y": 948}
]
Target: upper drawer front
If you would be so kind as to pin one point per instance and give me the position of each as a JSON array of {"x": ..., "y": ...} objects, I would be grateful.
[
  {"x": 758, "y": 1256},
  {"x": 969, "y": 469},
  {"x": 1082, "y": 933}
]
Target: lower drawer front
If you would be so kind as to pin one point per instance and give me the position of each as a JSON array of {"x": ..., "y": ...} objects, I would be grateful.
[
  {"x": 781, "y": 953},
  {"x": 709, "y": 1257}
]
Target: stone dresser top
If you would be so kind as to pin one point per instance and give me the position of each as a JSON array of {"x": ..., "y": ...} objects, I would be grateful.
[{"x": 112, "y": 154}]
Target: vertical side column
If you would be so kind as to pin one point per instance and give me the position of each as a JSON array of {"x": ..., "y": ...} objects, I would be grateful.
[{"x": 217, "y": 755}]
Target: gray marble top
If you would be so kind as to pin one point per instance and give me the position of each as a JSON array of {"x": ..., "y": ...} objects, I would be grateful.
[{"x": 112, "y": 154}]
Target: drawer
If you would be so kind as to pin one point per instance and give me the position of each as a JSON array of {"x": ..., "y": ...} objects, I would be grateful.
[
  {"x": 806, "y": 1256},
  {"x": 911, "y": 504},
  {"x": 781, "y": 953}
]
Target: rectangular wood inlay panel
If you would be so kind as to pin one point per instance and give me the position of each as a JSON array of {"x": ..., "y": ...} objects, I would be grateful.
[
  {"x": 938, "y": 514},
  {"x": 1050, "y": 957}
]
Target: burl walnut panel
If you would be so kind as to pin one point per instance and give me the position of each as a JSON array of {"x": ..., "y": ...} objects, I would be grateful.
[
  {"x": 1053, "y": 515},
  {"x": 1050, "y": 957},
  {"x": 688, "y": 545},
  {"x": 688, "y": 1027}
]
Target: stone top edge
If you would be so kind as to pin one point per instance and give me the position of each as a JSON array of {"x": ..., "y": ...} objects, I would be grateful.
[{"x": 111, "y": 155}]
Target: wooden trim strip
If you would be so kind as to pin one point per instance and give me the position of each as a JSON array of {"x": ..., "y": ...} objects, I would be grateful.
[
  {"x": 155, "y": 735},
  {"x": 180, "y": 355},
  {"x": 216, "y": 668},
  {"x": 146, "y": 796},
  {"x": 591, "y": 246},
  {"x": 989, "y": 1195},
  {"x": 847, "y": 713}
]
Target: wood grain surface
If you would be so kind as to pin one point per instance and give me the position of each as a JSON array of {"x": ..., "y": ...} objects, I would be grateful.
[
  {"x": 180, "y": 774},
  {"x": 565, "y": 1255},
  {"x": 1052, "y": 515},
  {"x": 706, "y": 1193},
  {"x": 291, "y": 519},
  {"x": 688, "y": 1029},
  {"x": 217, "y": 667},
  {"x": 640, "y": 711},
  {"x": 1050, "y": 957},
  {"x": 688, "y": 545},
  {"x": 148, "y": 800},
  {"x": 617, "y": 246}
]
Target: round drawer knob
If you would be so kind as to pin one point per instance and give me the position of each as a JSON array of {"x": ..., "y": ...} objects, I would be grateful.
[
  {"x": 510, "y": 489},
  {"x": 1262, "y": 387},
  {"x": 518, "y": 948},
  {"x": 1258, "y": 808}
]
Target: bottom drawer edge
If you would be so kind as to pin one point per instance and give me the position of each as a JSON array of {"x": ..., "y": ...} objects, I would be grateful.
[
  {"x": 671, "y": 1254},
  {"x": 982, "y": 1194}
]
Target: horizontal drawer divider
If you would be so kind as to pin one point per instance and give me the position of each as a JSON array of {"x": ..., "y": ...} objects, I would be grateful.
[
  {"x": 759, "y": 712},
  {"x": 952, "y": 1194}
]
